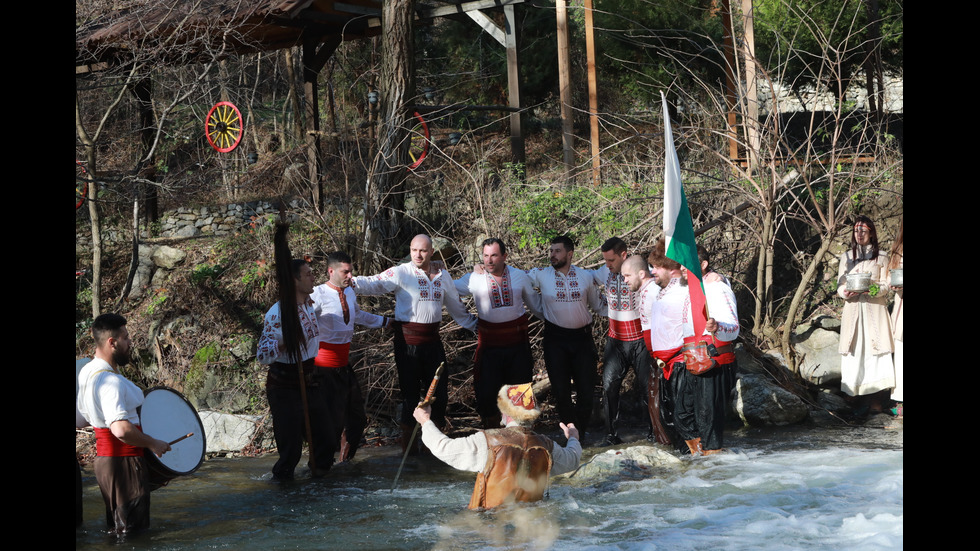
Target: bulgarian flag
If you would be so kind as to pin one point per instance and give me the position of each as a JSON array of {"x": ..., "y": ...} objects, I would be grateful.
[{"x": 679, "y": 229}]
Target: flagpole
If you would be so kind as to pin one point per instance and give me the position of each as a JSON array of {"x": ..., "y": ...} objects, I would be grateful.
[{"x": 679, "y": 227}]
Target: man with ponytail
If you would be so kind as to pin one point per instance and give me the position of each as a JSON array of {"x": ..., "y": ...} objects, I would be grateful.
[{"x": 288, "y": 346}]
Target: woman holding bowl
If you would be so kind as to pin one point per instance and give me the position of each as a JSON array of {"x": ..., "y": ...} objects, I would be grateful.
[{"x": 866, "y": 334}]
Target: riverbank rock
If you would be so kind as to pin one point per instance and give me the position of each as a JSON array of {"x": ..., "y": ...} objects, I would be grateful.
[
  {"x": 816, "y": 345},
  {"x": 232, "y": 433},
  {"x": 760, "y": 403},
  {"x": 633, "y": 462}
]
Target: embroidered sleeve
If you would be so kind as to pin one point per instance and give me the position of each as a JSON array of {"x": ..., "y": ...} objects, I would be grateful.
[
  {"x": 379, "y": 284},
  {"x": 454, "y": 305},
  {"x": 267, "y": 350},
  {"x": 721, "y": 307}
]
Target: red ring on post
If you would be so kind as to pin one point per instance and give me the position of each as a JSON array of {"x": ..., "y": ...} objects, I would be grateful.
[{"x": 425, "y": 148}]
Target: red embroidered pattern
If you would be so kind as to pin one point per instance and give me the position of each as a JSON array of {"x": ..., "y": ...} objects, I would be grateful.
[
  {"x": 619, "y": 296},
  {"x": 501, "y": 295}
]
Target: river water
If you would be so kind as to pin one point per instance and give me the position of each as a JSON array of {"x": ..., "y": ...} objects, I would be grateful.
[{"x": 791, "y": 488}]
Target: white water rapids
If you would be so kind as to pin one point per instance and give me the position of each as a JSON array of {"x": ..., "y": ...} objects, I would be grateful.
[{"x": 777, "y": 489}]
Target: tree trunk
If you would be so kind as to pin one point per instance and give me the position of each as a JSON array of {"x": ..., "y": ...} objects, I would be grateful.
[
  {"x": 763, "y": 274},
  {"x": 96, "y": 226},
  {"x": 293, "y": 78},
  {"x": 384, "y": 195},
  {"x": 93, "y": 210},
  {"x": 826, "y": 241}
]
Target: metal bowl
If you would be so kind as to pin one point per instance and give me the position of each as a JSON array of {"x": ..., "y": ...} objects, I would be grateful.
[
  {"x": 897, "y": 276},
  {"x": 859, "y": 281}
]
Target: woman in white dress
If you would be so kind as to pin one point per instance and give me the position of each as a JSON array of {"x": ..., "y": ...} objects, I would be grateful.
[{"x": 866, "y": 335}]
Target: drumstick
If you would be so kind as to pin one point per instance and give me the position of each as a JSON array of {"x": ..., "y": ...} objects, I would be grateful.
[{"x": 188, "y": 435}]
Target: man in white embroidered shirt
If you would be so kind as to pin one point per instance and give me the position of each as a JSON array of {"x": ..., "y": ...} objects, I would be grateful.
[
  {"x": 624, "y": 343},
  {"x": 503, "y": 351},
  {"x": 420, "y": 292},
  {"x": 567, "y": 293},
  {"x": 335, "y": 305}
]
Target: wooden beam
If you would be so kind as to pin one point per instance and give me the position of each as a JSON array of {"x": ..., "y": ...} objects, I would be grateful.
[
  {"x": 488, "y": 26},
  {"x": 456, "y": 9}
]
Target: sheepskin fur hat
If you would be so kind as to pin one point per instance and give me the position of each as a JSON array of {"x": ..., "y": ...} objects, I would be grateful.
[{"x": 517, "y": 402}]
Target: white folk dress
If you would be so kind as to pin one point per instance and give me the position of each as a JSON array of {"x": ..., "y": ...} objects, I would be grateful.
[{"x": 866, "y": 336}]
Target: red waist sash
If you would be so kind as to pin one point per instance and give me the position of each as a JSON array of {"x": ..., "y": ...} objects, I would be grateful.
[
  {"x": 107, "y": 445},
  {"x": 625, "y": 330},
  {"x": 418, "y": 333},
  {"x": 507, "y": 333},
  {"x": 332, "y": 355},
  {"x": 724, "y": 357},
  {"x": 669, "y": 357}
]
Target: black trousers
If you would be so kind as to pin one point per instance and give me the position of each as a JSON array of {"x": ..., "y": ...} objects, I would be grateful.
[
  {"x": 570, "y": 356},
  {"x": 289, "y": 424},
  {"x": 342, "y": 393},
  {"x": 417, "y": 365},
  {"x": 618, "y": 357},
  {"x": 700, "y": 402},
  {"x": 497, "y": 366}
]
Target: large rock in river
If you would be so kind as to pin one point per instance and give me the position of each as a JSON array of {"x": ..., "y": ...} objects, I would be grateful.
[
  {"x": 231, "y": 433},
  {"x": 633, "y": 462},
  {"x": 760, "y": 403}
]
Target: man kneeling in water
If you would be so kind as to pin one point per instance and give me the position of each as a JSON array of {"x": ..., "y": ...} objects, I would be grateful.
[{"x": 513, "y": 463}]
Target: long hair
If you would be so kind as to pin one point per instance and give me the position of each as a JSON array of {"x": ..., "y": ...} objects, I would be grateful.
[
  {"x": 898, "y": 247},
  {"x": 872, "y": 237},
  {"x": 293, "y": 337}
]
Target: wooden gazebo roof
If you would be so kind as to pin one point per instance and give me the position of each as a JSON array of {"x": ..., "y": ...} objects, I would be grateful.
[{"x": 185, "y": 30}]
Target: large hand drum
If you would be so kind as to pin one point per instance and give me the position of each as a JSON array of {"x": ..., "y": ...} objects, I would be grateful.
[{"x": 166, "y": 415}]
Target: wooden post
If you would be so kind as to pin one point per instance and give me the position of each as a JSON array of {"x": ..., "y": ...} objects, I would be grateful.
[
  {"x": 593, "y": 91},
  {"x": 751, "y": 117},
  {"x": 565, "y": 88},
  {"x": 513, "y": 86},
  {"x": 313, "y": 60},
  {"x": 729, "y": 36},
  {"x": 310, "y": 72}
]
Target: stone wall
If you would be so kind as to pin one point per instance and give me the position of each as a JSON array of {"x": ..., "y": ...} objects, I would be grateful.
[
  {"x": 219, "y": 220},
  {"x": 814, "y": 99}
]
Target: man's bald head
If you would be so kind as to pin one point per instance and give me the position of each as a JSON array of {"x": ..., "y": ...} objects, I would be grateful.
[{"x": 421, "y": 251}]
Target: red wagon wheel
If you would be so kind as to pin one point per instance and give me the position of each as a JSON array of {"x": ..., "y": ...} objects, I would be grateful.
[
  {"x": 420, "y": 142},
  {"x": 224, "y": 126},
  {"x": 81, "y": 183}
]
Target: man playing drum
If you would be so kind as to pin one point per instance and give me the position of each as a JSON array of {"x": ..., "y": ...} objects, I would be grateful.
[{"x": 108, "y": 401}]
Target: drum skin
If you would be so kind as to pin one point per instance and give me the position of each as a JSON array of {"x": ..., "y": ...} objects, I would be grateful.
[{"x": 167, "y": 415}]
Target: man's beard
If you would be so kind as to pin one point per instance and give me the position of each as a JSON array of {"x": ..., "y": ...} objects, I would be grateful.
[
  {"x": 121, "y": 358},
  {"x": 559, "y": 264}
]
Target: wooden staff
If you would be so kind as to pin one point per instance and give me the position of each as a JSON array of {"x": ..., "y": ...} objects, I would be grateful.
[
  {"x": 306, "y": 415},
  {"x": 429, "y": 398}
]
